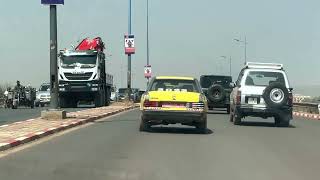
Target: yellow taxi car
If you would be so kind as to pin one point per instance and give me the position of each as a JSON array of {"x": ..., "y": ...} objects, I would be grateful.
[{"x": 172, "y": 100}]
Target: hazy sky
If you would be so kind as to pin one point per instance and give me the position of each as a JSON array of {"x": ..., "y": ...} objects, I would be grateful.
[{"x": 186, "y": 37}]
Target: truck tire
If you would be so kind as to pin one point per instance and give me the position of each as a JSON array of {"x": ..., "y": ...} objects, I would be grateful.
[
  {"x": 276, "y": 95},
  {"x": 108, "y": 96},
  {"x": 62, "y": 102},
  {"x": 216, "y": 93},
  {"x": 98, "y": 100}
]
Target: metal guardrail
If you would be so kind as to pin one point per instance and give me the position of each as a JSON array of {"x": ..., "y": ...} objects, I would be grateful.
[{"x": 306, "y": 107}]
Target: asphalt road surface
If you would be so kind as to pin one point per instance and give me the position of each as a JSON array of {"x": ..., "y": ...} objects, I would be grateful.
[
  {"x": 114, "y": 149},
  {"x": 23, "y": 113}
]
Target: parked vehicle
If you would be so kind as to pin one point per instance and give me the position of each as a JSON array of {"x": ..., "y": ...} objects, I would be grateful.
[
  {"x": 82, "y": 75},
  {"x": 43, "y": 95},
  {"x": 262, "y": 90},
  {"x": 122, "y": 93},
  {"x": 217, "y": 90}
]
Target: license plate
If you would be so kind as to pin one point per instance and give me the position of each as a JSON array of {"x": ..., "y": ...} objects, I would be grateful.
[
  {"x": 252, "y": 101},
  {"x": 172, "y": 105}
]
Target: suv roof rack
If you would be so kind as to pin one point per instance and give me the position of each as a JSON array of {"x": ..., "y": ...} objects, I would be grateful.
[{"x": 258, "y": 65}]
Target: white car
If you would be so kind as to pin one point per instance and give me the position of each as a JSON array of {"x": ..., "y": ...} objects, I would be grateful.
[
  {"x": 43, "y": 95},
  {"x": 262, "y": 90}
]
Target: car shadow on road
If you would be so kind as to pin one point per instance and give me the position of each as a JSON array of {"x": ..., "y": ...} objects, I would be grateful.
[
  {"x": 217, "y": 112},
  {"x": 262, "y": 124},
  {"x": 178, "y": 130}
]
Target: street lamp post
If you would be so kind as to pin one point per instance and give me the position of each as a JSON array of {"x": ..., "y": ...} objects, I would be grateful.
[
  {"x": 225, "y": 58},
  {"x": 245, "y": 47}
]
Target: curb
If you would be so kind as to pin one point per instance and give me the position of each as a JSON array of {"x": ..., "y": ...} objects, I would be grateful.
[
  {"x": 49, "y": 131},
  {"x": 307, "y": 115}
]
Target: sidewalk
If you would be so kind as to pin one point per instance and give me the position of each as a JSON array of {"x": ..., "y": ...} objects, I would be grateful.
[{"x": 25, "y": 131}]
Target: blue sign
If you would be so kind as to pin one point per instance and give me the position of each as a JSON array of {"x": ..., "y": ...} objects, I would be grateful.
[{"x": 52, "y": 1}]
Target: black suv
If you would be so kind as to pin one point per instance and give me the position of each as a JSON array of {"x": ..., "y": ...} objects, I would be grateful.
[{"x": 217, "y": 90}]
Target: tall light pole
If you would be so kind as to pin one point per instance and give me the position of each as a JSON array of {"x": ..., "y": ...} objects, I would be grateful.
[
  {"x": 225, "y": 58},
  {"x": 53, "y": 50},
  {"x": 148, "y": 61},
  {"x": 245, "y": 47},
  {"x": 53, "y": 57}
]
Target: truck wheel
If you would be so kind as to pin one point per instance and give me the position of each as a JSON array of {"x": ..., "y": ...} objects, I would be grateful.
[
  {"x": 42, "y": 105},
  {"x": 97, "y": 100},
  {"x": 108, "y": 101},
  {"x": 108, "y": 97},
  {"x": 62, "y": 102}
]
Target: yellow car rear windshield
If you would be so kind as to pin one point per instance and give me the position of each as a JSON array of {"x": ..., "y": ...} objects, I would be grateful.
[{"x": 174, "y": 85}]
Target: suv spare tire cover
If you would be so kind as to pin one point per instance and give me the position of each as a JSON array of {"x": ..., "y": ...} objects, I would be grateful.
[
  {"x": 216, "y": 93},
  {"x": 276, "y": 95}
]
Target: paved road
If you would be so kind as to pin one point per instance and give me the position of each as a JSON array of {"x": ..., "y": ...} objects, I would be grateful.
[
  {"x": 14, "y": 115},
  {"x": 117, "y": 150}
]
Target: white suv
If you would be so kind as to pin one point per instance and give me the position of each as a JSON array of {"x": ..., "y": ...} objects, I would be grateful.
[{"x": 262, "y": 90}]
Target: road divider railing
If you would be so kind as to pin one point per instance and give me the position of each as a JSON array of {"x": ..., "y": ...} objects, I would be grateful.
[{"x": 306, "y": 107}]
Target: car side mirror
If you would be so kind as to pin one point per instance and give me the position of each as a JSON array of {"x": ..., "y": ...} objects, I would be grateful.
[{"x": 290, "y": 89}]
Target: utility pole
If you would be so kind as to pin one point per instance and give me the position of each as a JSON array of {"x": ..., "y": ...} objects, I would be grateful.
[
  {"x": 230, "y": 66},
  {"x": 54, "y": 85},
  {"x": 53, "y": 57},
  {"x": 245, "y": 47}
]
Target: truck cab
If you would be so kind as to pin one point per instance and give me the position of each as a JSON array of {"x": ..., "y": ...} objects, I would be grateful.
[{"x": 82, "y": 77}]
